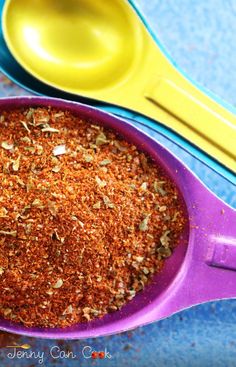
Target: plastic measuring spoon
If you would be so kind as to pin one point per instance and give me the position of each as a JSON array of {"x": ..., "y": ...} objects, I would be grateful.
[
  {"x": 202, "y": 267},
  {"x": 14, "y": 71},
  {"x": 102, "y": 50}
]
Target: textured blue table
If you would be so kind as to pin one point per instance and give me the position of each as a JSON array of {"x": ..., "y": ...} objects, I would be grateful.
[{"x": 200, "y": 36}]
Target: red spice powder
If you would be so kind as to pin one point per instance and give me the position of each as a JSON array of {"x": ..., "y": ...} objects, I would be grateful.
[{"x": 85, "y": 218}]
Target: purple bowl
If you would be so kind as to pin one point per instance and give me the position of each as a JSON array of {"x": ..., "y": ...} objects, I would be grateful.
[{"x": 203, "y": 266}]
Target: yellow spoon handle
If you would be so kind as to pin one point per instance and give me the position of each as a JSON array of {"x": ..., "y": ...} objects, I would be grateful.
[
  {"x": 168, "y": 97},
  {"x": 194, "y": 113}
]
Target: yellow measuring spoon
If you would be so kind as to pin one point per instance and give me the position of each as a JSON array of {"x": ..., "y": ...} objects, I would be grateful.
[{"x": 102, "y": 50}]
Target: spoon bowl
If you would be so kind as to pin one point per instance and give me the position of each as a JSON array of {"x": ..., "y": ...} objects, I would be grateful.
[
  {"x": 70, "y": 45},
  {"x": 202, "y": 267}
]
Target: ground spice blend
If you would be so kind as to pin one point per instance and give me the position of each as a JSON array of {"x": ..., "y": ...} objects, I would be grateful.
[{"x": 85, "y": 218}]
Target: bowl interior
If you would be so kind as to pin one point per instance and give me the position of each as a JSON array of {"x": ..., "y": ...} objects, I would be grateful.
[{"x": 67, "y": 38}]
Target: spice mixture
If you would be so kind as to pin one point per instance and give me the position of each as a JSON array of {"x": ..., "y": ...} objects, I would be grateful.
[{"x": 85, "y": 218}]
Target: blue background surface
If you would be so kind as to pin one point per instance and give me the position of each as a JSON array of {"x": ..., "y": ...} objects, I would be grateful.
[{"x": 200, "y": 37}]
